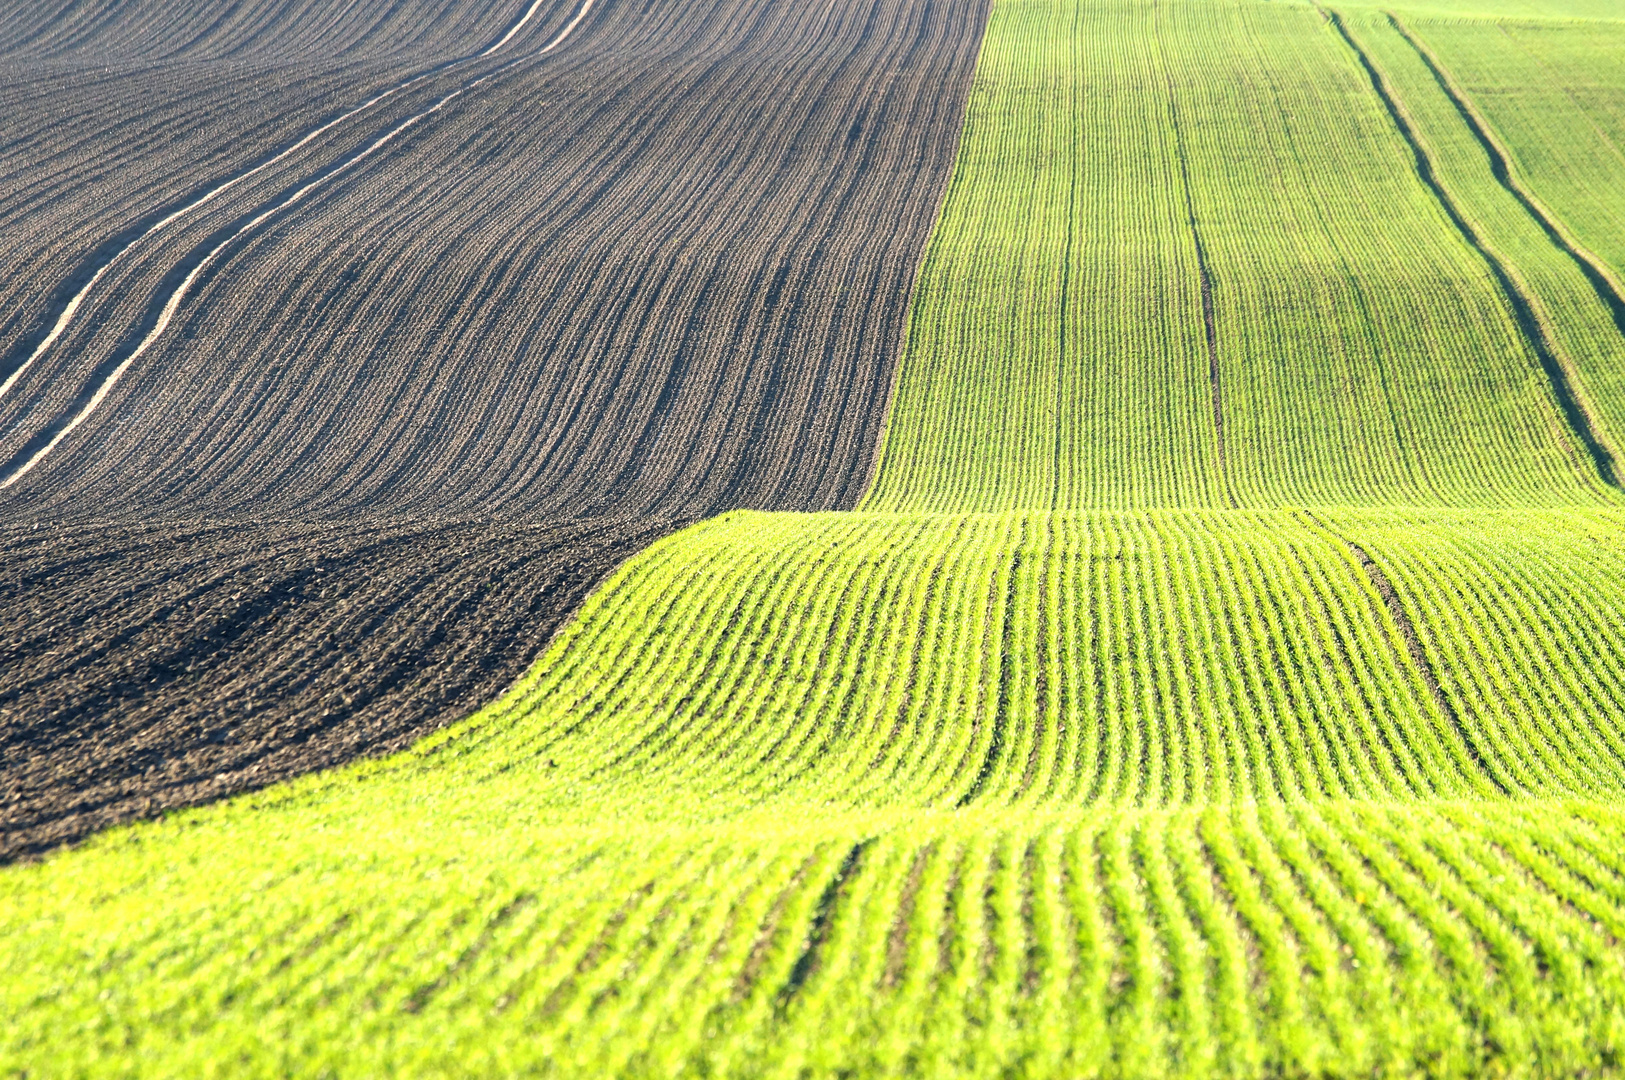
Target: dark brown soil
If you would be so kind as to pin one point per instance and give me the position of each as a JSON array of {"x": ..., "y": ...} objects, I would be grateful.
[
  {"x": 395, "y": 433},
  {"x": 149, "y": 666}
]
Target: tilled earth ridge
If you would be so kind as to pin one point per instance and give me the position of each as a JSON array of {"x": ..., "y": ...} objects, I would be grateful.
[
  {"x": 152, "y": 666},
  {"x": 659, "y": 273},
  {"x": 113, "y": 117}
]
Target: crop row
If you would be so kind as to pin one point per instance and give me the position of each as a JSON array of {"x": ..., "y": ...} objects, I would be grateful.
[
  {"x": 1192, "y": 256},
  {"x": 1146, "y": 659},
  {"x": 416, "y": 931},
  {"x": 1121, "y": 793}
]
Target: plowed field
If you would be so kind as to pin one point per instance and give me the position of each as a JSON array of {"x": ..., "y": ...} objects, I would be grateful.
[{"x": 371, "y": 283}]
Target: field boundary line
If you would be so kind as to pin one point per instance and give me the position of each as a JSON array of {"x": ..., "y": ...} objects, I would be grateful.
[{"x": 877, "y": 463}]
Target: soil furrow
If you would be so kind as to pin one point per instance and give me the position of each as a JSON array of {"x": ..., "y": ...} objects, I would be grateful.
[{"x": 1210, "y": 330}]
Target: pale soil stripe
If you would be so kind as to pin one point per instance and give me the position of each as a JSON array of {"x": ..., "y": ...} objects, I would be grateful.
[
  {"x": 582, "y": 14},
  {"x": 209, "y": 196},
  {"x": 175, "y": 298}
]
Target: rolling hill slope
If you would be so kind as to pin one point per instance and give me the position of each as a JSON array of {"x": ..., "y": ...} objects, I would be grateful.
[
  {"x": 1126, "y": 794},
  {"x": 1221, "y": 678}
]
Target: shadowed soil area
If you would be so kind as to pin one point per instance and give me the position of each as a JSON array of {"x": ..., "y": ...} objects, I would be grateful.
[{"x": 150, "y": 666}]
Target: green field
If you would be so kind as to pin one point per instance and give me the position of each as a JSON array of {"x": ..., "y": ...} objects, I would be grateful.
[
  {"x": 1055, "y": 793},
  {"x": 1365, "y": 352},
  {"x": 1223, "y": 676}
]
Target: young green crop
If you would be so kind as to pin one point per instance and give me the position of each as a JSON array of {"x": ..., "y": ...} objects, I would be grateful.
[
  {"x": 1181, "y": 801},
  {"x": 1353, "y": 345}
]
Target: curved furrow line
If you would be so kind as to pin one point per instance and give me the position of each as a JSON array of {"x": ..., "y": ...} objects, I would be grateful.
[
  {"x": 52, "y": 434},
  {"x": 734, "y": 469},
  {"x": 107, "y": 254},
  {"x": 154, "y": 32},
  {"x": 1609, "y": 292}
]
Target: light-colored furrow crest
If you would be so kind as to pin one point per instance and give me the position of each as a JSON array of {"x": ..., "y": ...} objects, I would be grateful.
[{"x": 71, "y": 309}]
